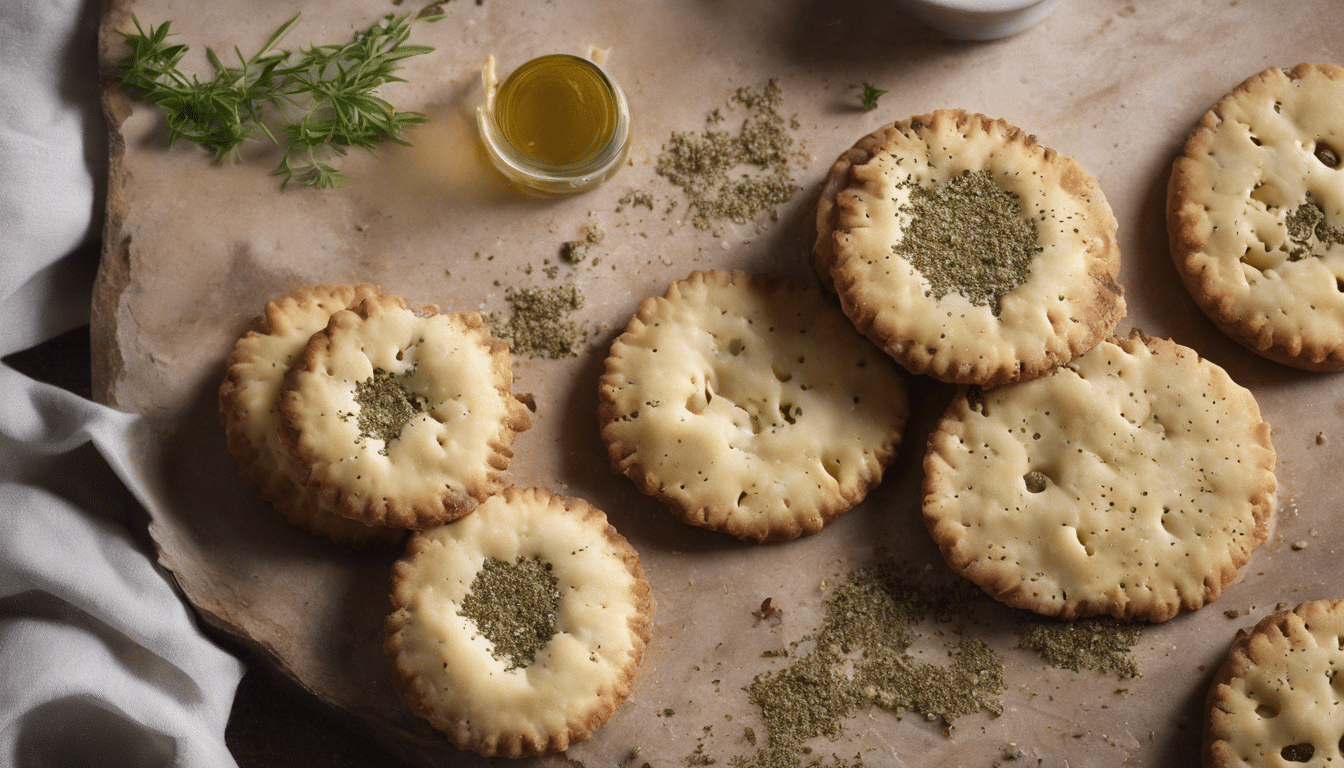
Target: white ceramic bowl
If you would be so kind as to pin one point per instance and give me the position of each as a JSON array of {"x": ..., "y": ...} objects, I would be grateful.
[{"x": 979, "y": 19}]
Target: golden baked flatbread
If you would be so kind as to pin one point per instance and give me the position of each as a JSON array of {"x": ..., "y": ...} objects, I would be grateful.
[
  {"x": 1278, "y": 699},
  {"x": 968, "y": 251},
  {"x": 401, "y": 418},
  {"x": 518, "y": 629},
  {"x": 1255, "y": 215},
  {"x": 1134, "y": 481},
  {"x": 750, "y": 405},
  {"x": 249, "y": 400}
]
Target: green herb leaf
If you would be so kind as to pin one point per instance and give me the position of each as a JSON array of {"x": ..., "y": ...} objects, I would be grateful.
[
  {"x": 321, "y": 99},
  {"x": 870, "y": 96}
]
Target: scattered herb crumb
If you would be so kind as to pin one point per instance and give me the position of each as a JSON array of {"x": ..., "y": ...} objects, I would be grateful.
[
  {"x": 385, "y": 406},
  {"x": 1104, "y": 645},
  {"x": 635, "y": 198},
  {"x": 733, "y": 176},
  {"x": 538, "y": 324},
  {"x": 860, "y": 658},
  {"x": 514, "y": 606},
  {"x": 575, "y": 251},
  {"x": 1305, "y": 224}
]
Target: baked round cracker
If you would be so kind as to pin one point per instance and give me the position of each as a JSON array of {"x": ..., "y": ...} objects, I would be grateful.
[
  {"x": 249, "y": 399},
  {"x": 400, "y": 417},
  {"x": 1255, "y": 215},
  {"x": 1278, "y": 699},
  {"x": 459, "y": 667},
  {"x": 1134, "y": 481},
  {"x": 750, "y": 405},
  {"x": 967, "y": 251}
]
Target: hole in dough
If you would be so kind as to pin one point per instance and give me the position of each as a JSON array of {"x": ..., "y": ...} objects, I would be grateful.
[
  {"x": 1298, "y": 753},
  {"x": 1082, "y": 541},
  {"x": 1036, "y": 481},
  {"x": 1268, "y": 710},
  {"x": 1327, "y": 154}
]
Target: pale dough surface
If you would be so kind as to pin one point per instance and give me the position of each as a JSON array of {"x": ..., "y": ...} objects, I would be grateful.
[
  {"x": 444, "y": 666},
  {"x": 1133, "y": 482},
  {"x": 1070, "y": 301},
  {"x": 249, "y": 401},
  {"x": 1266, "y": 149},
  {"x": 448, "y": 456},
  {"x": 1281, "y": 687},
  {"x": 750, "y": 405}
]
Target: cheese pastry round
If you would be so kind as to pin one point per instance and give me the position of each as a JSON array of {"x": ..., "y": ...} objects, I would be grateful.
[
  {"x": 518, "y": 629},
  {"x": 968, "y": 251},
  {"x": 1134, "y": 481},
  {"x": 1255, "y": 215},
  {"x": 1277, "y": 700},
  {"x": 249, "y": 402},
  {"x": 400, "y": 417},
  {"x": 750, "y": 405}
]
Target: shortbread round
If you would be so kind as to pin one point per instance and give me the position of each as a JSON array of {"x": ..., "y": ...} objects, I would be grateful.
[
  {"x": 518, "y": 629},
  {"x": 1255, "y": 215},
  {"x": 967, "y": 251},
  {"x": 1134, "y": 481},
  {"x": 1278, "y": 699},
  {"x": 401, "y": 418},
  {"x": 249, "y": 400},
  {"x": 750, "y": 405}
]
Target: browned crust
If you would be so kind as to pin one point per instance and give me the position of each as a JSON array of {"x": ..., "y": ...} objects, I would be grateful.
[
  {"x": 388, "y": 509},
  {"x": 950, "y": 535},
  {"x": 1241, "y": 661},
  {"x": 458, "y": 725},
  {"x": 1102, "y": 299},
  {"x": 837, "y": 179},
  {"x": 260, "y": 467},
  {"x": 625, "y": 457},
  {"x": 1185, "y": 223}
]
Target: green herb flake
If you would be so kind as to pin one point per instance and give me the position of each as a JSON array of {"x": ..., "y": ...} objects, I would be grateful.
[
  {"x": 871, "y": 94},
  {"x": 1305, "y": 224},
  {"x": 860, "y": 658}
]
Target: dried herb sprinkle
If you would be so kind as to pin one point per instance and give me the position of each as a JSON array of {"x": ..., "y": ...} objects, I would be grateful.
[
  {"x": 734, "y": 176},
  {"x": 1103, "y": 645},
  {"x": 1306, "y": 223},
  {"x": 860, "y": 659},
  {"x": 968, "y": 236},
  {"x": 385, "y": 406},
  {"x": 514, "y": 606},
  {"x": 538, "y": 324}
]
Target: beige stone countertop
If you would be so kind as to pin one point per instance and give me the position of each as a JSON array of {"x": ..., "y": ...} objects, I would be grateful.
[{"x": 194, "y": 249}]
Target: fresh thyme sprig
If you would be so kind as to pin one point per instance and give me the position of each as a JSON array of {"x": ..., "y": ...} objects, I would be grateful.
[{"x": 322, "y": 96}]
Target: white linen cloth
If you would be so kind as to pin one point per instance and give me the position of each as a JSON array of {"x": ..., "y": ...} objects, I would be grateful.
[{"x": 101, "y": 663}]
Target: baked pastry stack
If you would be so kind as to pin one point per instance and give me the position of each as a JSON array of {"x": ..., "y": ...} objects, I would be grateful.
[{"x": 356, "y": 415}]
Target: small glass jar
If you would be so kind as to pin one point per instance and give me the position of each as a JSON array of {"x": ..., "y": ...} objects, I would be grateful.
[{"x": 558, "y": 125}]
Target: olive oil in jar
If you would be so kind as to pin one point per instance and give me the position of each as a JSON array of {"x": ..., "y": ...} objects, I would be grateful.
[
  {"x": 558, "y": 110},
  {"x": 557, "y": 125}
]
